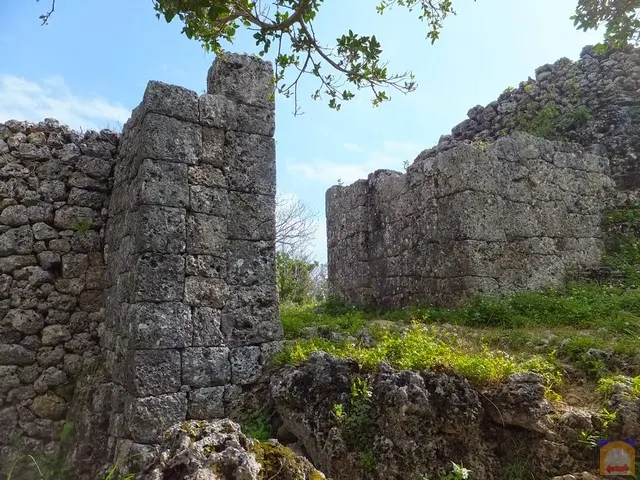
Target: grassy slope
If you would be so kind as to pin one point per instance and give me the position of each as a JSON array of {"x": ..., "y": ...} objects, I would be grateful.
[{"x": 578, "y": 337}]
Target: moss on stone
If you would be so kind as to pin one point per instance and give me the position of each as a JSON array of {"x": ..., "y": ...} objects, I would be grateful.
[{"x": 281, "y": 462}]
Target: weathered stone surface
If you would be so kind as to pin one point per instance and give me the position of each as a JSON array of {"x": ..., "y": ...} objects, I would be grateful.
[
  {"x": 161, "y": 325},
  {"x": 155, "y": 372},
  {"x": 55, "y": 334},
  {"x": 14, "y": 216},
  {"x": 164, "y": 232},
  {"x": 205, "y": 292},
  {"x": 221, "y": 447},
  {"x": 16, "y": 241},
  {"x": 171, "y": 101},
  {"x": 221, "y": 112},
  {"x": 243, "y": 79},
  {"x": 397, "y": 239},
  {"x": 15, "y": 355},
  {"x": 206, "y": 403},
  {"x": 148, "y": 417},
  {"x": 114, "y": 255},
  {"x": 206, "y": 366},
  {"x": 49, "y": 406},
  {"x": 25, "y": 321},
  {"x": 206, "y": 234},
  {"x": 159, "y": 278},
  {"x": 246, "y": 367},
  {"x": 162, "y": 183},
  {"x": 250, "y": 161},
  {"x": 50, "y": 378},
  {"x": 206, "y": 327},
  {"x": 166, "y": 138}
]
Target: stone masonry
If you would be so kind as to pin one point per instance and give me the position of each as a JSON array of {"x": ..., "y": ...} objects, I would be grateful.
[
  {"x": 177, "y": 276},
  {"x": 595, "y": 99},
  {"x": 54, "y": 192},
  {"x": 395, "y": 239},
  {"x": 515, "y": 215}
]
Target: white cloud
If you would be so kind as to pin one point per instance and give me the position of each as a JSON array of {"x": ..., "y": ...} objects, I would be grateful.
[
  {"x": 390, "y": 156},
  {"x": 22, "y": 99},
  {"x": 353, "y": 147}
]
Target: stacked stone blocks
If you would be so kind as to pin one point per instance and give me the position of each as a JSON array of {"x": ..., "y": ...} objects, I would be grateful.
[
  {"x": 520, "y": 214},
  {"x": 192, "y": 306},
  {"x": 54, "y": 192}
]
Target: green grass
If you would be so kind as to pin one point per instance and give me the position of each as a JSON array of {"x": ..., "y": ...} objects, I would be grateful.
[
  {"x": 579, "y": 306},
  {"x": 485, "y": 340},
  {"x": 421, "y": 347},
  {"x": 589, "y": 330}
]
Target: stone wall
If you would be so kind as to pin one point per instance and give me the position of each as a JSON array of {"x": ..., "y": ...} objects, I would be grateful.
[
  {"x": 592, "y": 101},
  {"x": 192, "y": 306},
  {"x": 514, "y": 215},
  {"x": 165, "y": 256},
  {"x": 54, "y": 194},
  {"x": 391, "y": 242}
]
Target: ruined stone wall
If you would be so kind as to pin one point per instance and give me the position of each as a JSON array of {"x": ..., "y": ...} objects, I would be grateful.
[
  {"x": 391, "y": 242},
  {"x": 595, "y": 100},
  {"x": 192, "y": 312},
  {"x": 515, "y": 215},
  {"x": 54, "y": 194},
  {"x": 151, "y": 253}
]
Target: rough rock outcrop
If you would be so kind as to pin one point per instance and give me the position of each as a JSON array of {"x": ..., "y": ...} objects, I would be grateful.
[
  {"x": 218, "y": 450},
  {"x": 412, "y": 423}
]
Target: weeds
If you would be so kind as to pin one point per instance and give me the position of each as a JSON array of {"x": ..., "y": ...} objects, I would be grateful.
[
  {"x": 257, "y": 425},
  {"x": 421, "y": 348}
]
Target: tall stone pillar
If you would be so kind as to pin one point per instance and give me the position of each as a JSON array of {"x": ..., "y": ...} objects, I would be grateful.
[{"x": 192, "y": 313}]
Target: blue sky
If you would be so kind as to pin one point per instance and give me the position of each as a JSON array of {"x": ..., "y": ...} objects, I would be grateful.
[{"x": 89, "y": 67}]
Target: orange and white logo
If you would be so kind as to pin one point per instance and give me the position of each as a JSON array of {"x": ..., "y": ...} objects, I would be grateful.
[{"x": 617, "y": 458}]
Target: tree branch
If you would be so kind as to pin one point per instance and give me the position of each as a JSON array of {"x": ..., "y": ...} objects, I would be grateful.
[{"x": 45, "y": 17}]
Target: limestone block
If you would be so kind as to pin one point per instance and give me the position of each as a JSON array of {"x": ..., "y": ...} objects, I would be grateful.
[
  {"x": 243, "y": 79},
  {"x": 206, "y": 234},
  {"x": 161, "y": 183},
  {"x": 159, "y": 278},
  {"x": 221, "y": 112},
  {"x": 211, "y": 201},
  {"x": 16, "y": 241},
  {"x": 155, "y": 372},
  {"x": 162, "y": 229},
  {"x": 245, "y": 365},
  {"x": 147, "y": 418},
  {"x": 206, "y": 403},
  {"x": 207, "y": 265},
  {"x": 159, "y": 325},
  {"x": 206, "y": 366},
  {"x": 166, "y": 138},
  {"x": 253, "y": 216},
  {"x": 207, "y": 175},
  {"x": 171, "y": 100},
  {"x": 250, "y": 161},
  {"x": 251, "y": 263},
  {"x": 205, "y": 292}
]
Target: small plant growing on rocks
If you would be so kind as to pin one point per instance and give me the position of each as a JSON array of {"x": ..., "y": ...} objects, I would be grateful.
[
  {"x": 256, "y": 425},
  {"x": 458, "y": 472},
  {"x": 83, "y": 226}
]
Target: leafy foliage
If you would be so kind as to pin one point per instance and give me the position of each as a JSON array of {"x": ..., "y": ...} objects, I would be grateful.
[
  {"x": 620, "y": 18},
  {"x": 294, "y": 280},
  {"x": 288, "y": 27},
  {"x": 352, "y": 61},
  {"x": 257, "y": 425}
]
